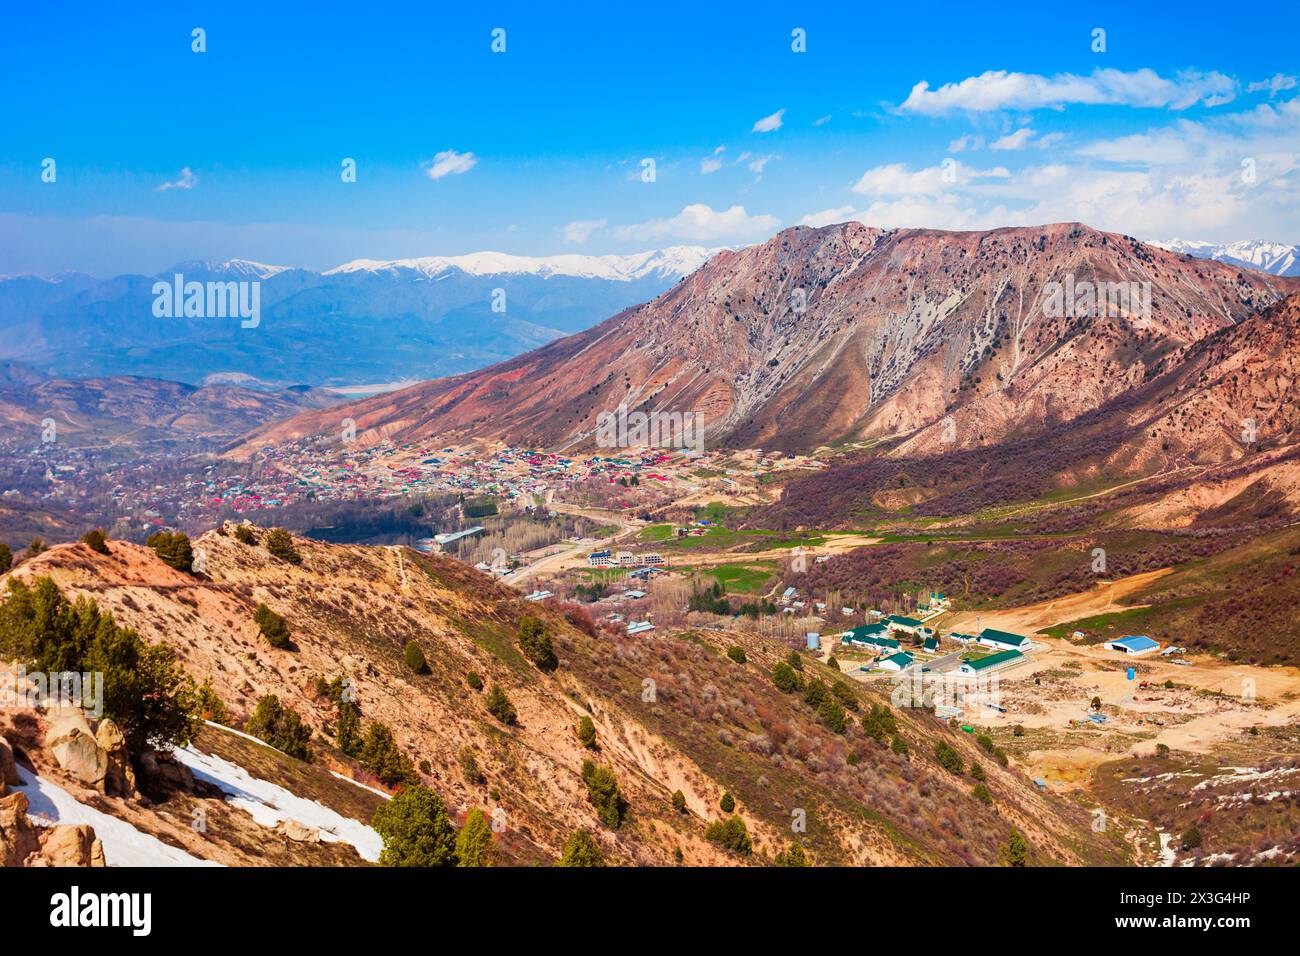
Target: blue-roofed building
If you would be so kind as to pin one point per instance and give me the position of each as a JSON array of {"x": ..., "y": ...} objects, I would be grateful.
[{"x": 1133, "y": 645}]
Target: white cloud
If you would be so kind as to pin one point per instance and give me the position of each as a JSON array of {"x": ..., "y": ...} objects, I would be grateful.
[
  {"x": 701, "y": 222},
  {"x": 828, "y": 216},
  {"x": 769, "y": 123},
  {"x": 710, "y": 165},
  {"x": 822, "y": 120},
  {"x": 1014, "y": 141},
  {"x": 896, "y": 179},
  {"x": 450, "y": 163},
  {"x": 1279, "y": 83},
  {"x": 963, "y": 143},
  {"x": 580, "y": 230},
  {"x": 756, "y": 166},
  {"x": 1003, "y": 90},
  {"x": 186, "y": 180}
]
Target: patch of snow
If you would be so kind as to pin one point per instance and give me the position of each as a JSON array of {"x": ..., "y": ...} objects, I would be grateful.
[
  {"x": 1167, "y": 853},
  {"x": 124, "y": 845},
  {"x": 377, "y": 792},
  {"x": 269, "y": 804}
]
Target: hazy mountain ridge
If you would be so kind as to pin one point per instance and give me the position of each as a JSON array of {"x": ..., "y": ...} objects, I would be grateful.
[{"x": 363, "y": 322}]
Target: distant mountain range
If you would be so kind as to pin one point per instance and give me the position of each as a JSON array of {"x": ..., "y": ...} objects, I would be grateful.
[
  {"x": 1275, "y": 258},
  {"x": 846, "y": 333},
  {"x": 360, "y": 323}
]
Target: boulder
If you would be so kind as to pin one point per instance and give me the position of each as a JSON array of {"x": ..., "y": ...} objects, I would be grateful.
[
  {"x": 298, "y": 832},
  {"x": 8, "y": 769},
  {"x": 69, "y": 738},
  {"x": 166, "y": 770},
  {"x": 119, "y": 781},
  {"x": 72, "y": 845},
  {"x": 19, "y": 839}
]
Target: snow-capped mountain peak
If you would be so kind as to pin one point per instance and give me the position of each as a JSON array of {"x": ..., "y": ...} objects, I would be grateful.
[
  {"x": 1275, "y": 258},
  {"x": 674, "y": 261},
  {"x": 230, "y": 267}
]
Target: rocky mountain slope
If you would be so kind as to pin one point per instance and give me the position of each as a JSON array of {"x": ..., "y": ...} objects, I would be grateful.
[
  {"x": 846, "y": 332},
  {"x": 671, "y": 712}
]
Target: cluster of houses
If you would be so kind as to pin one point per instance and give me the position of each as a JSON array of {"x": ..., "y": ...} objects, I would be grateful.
[
  {"x": 880, "y": 638},
  {"x": 604, "y": 558}
]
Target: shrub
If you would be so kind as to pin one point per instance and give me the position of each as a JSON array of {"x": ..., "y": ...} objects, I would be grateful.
[
  {"x": 948, "y": 758},
  {"x": 581, "y": 850},
  {"x": 208, "y": 705},
  {"x": 879, "y": 723},
  {"x": 793, "y": 855},
  {"x": 815, "y": 693},
  {"x": 845, "y": 695},
  {"x": 95, "y": 540},
  {"x": 794, "y": 660},
  {"x": 587, "y": 733},
  {"x": 536, "y": 643},
  {"x": 173, "y": 549},
  {"x": 727, "y": 803},
  {"x": 1018, "y": 730},
  {"x": 475, "y": 680},
  {"x": 35, "y": 547},
  {"x": 898, "y": 745},
  {"x": 281, "y": 727},
  {"x": 147, "y": 692},
  {"x": 981, "y": 793},
  {"x": 499, "y": 706},
  {"x": 273, "y": 628},
  {"x": 604, "y": 795},
  {"x": 6, "y": 558},
  {"x": 347, "y": 733},
  {"x": 381, "y": 756},
  {"x": 731, "y": 834},
  {"x": 1192, "y": 837},
  {"x": 679, "y": 801},
  {"x": 785, "y": 678},
  {"x": 474, "y": 846},
  {"x": 977, "y": 772},
  {"x": 469, "y": 767},
  {"x": 737, "y": 653},
  {"x": 413, "y": 657},
  {"x": 244, "y": 534},
  {"x": 415, "y": 830},
  {"x": 830, "y": 713},
  {"x": 986, "y": 742},
  {"x": 1015, "y": 852},
  {"x": 280, "y": 545}
]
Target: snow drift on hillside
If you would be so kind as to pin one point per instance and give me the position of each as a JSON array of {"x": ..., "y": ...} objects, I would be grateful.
[
  {"x": 124, "y": 845},
  {"x": 269, "y": 804}
]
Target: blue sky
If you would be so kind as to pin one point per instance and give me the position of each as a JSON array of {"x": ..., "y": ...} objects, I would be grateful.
[{"x": 538, "y": 150}]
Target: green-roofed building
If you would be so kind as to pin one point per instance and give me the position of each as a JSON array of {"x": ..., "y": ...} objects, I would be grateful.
[
  {"x": 994, "y": 661},
  {"x": 899, "y": 623},
  {"x": 874, "y": 636},
  {"x": 896, "y": 662},
  {"x": 1002, "y": 640}
]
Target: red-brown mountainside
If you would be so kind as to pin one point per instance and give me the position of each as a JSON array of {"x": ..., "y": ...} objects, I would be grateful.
[
  {"x": 821, "y": 335},
  {"x": 1214, "y": 424}
]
